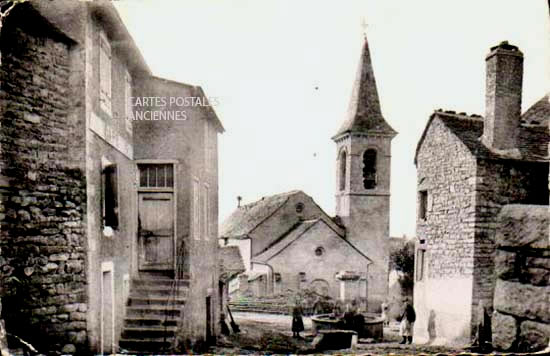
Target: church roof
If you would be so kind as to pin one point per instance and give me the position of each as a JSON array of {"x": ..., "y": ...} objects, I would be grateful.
[
  {"x": 532, "y": 139},
  {"x": 364, "y": 113},
  {"x": 247, "y": 217},
  {"x": 231, "y": 262},
  {"x": 294, "y": 234}
]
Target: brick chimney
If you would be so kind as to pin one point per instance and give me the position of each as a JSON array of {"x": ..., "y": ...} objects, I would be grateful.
[{"x": 504, "y": 76}]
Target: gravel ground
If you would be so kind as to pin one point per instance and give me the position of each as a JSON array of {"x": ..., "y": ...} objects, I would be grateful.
[{"x": 268, "y": 333}]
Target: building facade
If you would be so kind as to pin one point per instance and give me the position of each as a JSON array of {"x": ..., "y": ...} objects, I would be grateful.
[
  {"x": 109, "y": 188},
  {"x": 468, "y": 167}
]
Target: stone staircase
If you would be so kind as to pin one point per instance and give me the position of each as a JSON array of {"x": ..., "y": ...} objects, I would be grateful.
[{"x": 154, "y": 307}]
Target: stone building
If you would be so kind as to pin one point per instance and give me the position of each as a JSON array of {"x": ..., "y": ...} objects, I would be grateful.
[
  {"x": 108, "y": 189},
  {"x": 289, "y": 242},
  {"x": 468, "y": 168}
]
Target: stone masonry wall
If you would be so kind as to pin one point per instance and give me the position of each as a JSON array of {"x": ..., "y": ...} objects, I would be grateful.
[
  {"x": 521, "y": 320},
  {"x": 442, "y": 292},
  {"x": 42, "y": 198},
  {"x": 500, "y": 183}
]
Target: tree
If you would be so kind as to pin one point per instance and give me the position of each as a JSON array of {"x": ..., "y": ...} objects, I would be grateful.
[
  {"x": 5, "y": 8},
  {"x": 402, "y": 260}
]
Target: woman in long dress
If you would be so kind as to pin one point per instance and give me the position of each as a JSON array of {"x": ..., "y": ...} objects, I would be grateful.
[{"x": 297, "y": 321}]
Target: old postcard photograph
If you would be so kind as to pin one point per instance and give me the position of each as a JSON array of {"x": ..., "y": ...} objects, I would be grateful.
[{"x": 229, "y": 177}]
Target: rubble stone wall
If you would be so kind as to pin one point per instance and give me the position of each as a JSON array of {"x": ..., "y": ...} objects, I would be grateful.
[
  {"x": 443, "y": 287},
  {"x": 521, "y": 320},
  {"x": 42, "y": 194}
]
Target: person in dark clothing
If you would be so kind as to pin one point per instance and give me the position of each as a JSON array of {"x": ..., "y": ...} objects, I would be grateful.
[
  {"x": 407, "y": 323},
  {"x": 297, "y": 321}
]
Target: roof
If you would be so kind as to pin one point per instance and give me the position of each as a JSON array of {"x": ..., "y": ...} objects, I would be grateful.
[
  {"x": 231, "y": 262},
  {"x": 247, "y": 217},
  {"x": 294, "y": 234},
  {"x": 532, "y": 139},
  {"x": 364, "y": 113},
  {"x": 197, "y": 92},
  {"x": 538, "y": 113}
]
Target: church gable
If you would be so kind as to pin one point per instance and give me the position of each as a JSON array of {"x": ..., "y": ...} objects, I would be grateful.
[{"x": 312, "y": 238}]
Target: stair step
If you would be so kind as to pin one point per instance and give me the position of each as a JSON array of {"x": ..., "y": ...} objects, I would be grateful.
[
  {"x": 133, "y": 322},
  {"x": 152, "y": 311},
  {"x": 148, "y": 332},
  {"x": 145, "y": 346},
  {"x": 141, "y": 282},
  {"x": 160, "y": 292},
  {"x": 150, "y": 301}
]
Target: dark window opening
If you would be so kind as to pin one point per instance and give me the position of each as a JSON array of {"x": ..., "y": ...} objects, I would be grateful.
[
  {"x": 369, "y": 169},
  {"x": 423, "y": 208},
  {"x": 302, "y": 276},
  {"x": 420, "y": 264},
  {"x": 277, "y": 277},
  {"x": 110, "y": 196},
  {"x": 343, "y": 159},
  {"x": 319, "y": 251},
  {"x": 299, "y": 207},
  {"x": 156, "y": 175}
]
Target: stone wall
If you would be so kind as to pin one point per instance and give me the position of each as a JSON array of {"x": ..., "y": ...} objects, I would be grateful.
[
  {"x": 443, "y": 290},
  {"x": 521, "y": 320},
  {"x": 500, "y": 183},
  {"x": 42, "y": 195}
]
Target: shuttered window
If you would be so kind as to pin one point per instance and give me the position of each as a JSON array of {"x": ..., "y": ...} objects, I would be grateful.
[
  {"x": 110, "y": 196},
  {"x": 104, "y": 73}
]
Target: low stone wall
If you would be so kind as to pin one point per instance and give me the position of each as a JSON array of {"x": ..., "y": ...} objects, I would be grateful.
[{"x": 521, "y": 320}]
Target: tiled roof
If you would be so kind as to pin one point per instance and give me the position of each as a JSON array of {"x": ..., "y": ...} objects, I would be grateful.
[
  {"x": 538, "y": 113},
  {"x": 364, "y": 113},
  {"x": 532, "y": 139},
  {"x": 247, "y": 217},
  {"x": 231, "y": 262}
]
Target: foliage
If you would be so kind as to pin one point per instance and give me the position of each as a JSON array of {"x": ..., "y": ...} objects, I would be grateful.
[{"x": 402, "y": 260}]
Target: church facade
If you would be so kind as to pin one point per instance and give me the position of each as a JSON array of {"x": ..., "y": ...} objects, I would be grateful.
[{"x": 289, "y": 243}]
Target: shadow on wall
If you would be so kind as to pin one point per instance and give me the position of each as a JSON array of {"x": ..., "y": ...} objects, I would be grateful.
[{"x": 431, "y": 327}]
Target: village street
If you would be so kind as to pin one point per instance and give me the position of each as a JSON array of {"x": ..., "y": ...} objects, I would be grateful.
[{"x": 271, "y": 333}]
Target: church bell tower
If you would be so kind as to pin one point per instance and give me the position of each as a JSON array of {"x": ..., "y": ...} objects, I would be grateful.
[{"x": 363, "y": 146}]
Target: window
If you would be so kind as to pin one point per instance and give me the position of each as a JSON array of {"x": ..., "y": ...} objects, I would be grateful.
[
  {"x": 156, "y": 175},
  {"x": 196, "y": 210},
  {"x": 206, "y": 211},
  {"x": 110, "y": 196},
  {"x": 302, "y": 276},
  {"x": 104, "y": 73},
  {"x": 343, "y": 162},
  {"x": 420, "y": 254},
  {"x": 423, "y": 204},
  {"x": 319, "y": 251},
  {"x": 128, "y": 102},
  {"x": 369, "y": 169},
  {"x": 207, "y": 158},
  {"x": 299, "y": 208}
]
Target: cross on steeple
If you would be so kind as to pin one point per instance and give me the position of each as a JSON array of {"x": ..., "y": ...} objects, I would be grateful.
[{"x": 364, "y": 26}]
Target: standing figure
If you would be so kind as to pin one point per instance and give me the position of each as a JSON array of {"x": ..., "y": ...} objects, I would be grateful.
[
  {"x": 297, "y": 321},
  {"x": 407, "y": 323},
  {"x": 385, "y": 308}
]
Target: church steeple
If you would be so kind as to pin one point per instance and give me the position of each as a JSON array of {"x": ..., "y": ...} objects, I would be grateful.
[
  {"x": 364, "y": 114},
  {"x": 363, "y": 146}
]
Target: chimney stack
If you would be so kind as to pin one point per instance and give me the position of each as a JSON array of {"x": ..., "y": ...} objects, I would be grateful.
[{"x": 504, "y": 76}]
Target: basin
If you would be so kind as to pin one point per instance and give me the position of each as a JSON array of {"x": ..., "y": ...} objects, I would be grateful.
[{"x": 373, "y": 326}]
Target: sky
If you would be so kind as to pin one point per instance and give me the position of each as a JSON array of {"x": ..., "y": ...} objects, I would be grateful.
[{"x": 282, "y": 73}]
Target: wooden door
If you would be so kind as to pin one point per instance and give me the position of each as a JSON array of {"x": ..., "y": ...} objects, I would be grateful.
[{"x": 156, "y": 231}]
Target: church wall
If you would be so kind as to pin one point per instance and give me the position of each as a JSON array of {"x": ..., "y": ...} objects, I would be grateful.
[
  {"x": 443, "y": 283},
  {"x": 300, "y": 256},
  {"x": 283, "y": 220}
]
